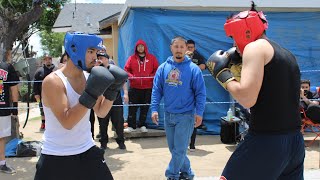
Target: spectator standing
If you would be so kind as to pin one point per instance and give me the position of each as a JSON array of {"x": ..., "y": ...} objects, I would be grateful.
[
  {"x": 194, "y": 55},
  {"x": 9, "y": 95},
  {"x": 115, "y": 113},
  {"x": 40, "y": 74},
  {"x": 141, "y": 67},
  {"x": 63, "y": 60},
  {"x": 198, "y": 59},
  {"x": 180, "y": 83}
]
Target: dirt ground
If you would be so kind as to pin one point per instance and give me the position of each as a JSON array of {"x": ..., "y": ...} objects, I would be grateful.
[{"x": 147, "y": 158}]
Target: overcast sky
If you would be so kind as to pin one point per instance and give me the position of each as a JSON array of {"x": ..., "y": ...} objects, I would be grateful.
[{"x": 35, "y": 39}]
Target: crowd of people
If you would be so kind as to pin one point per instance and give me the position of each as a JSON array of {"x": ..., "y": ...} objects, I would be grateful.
[{"x": 257, "y": 72}]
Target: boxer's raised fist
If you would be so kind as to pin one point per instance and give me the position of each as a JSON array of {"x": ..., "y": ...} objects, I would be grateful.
[{"x": 98, "y": 81}]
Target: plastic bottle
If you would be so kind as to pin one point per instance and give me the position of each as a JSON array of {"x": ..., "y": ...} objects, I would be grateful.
[{"x": 229, "y": 115}]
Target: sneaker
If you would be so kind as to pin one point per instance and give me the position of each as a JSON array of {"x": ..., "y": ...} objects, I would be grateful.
[
  {"x": 103, "y": 146},
  {"x": 42, "y": 127},
  {"x": 192, "y": 149},
  {"x": 7, "y": 169},
  {"x": 98, "y": 136},
  {"x": 129, "y": 130},
  {"x": 203, "y": 127},
  {"x": 143, "y": 129},
  {"x": 122, "y": 146},
  {"x": 184, "y": 176}
]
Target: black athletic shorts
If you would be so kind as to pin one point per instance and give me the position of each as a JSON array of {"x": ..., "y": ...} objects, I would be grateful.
[{"x": 89, "y": 165}]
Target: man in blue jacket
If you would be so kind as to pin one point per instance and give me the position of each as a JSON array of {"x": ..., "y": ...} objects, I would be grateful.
[{"x": 180, "y": 83}]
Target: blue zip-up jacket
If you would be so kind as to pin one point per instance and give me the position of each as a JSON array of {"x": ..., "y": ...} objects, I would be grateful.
[{"x": 181, "y": 85}]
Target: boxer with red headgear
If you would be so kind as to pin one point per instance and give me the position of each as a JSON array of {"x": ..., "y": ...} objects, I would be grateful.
[
  {"x": 269, "y": 86},
  {"x": 246, "y": 27}
]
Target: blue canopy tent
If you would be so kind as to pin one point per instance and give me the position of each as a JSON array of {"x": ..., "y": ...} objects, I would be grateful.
[{"x": 297, "y": 31}]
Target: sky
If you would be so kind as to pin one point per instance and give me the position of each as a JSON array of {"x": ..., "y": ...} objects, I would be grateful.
[{"x": 35, "y": 39}]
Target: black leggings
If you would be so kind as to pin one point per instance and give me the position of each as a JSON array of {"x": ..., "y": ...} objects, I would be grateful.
[
  {"x": 89, "y": 165},
  {"x": 138, "y": 96},
  {"x": 116, "y": 115}
]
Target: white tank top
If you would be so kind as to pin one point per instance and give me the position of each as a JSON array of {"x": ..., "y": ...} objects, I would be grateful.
[{"x": 59, "y": 141}]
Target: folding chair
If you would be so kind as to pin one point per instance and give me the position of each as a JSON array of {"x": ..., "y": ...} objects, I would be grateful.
[{"x": 308, "y": 123}]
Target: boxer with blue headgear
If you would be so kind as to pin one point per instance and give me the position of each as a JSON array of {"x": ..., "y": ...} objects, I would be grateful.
[
  {"x": 76, "y": 45},
  {"x": 68, "y": 94}
]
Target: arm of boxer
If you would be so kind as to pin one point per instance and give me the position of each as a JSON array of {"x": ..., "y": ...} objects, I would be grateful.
[
  {"x": 255, "y": 56},
  {"x": 54, "y": 97},
  {"x": 102, "y": 106}
]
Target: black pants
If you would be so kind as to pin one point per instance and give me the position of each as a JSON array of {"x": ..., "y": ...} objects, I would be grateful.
[
  {"x": 193, "y": 138},
  {"x": 138, "y": 96},
  {"x": 116, "y": 115},
  {"x": 92, "y": 120},
  {"x": 89, "y": 165}
]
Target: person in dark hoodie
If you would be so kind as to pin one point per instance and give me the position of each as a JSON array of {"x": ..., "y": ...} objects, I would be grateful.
[
  {"x": 141, "y": 67},
  {"x": 40, "y": 74},
  {"x": 180, "y": 82}
]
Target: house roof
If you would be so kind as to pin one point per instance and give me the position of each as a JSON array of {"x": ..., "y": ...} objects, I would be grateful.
[
  {"x": 109, "y": 20},
  {"x": 218, "y": 5},
  {"x": 84, "y": 17}
]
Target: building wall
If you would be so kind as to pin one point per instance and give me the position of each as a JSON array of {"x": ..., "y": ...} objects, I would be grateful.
[{"x": 108, "y": 43}]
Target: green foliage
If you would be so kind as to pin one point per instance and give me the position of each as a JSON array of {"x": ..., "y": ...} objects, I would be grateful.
[
  {"x": 52, "y": 42},
  {"x": 24, "y": 93},
  {"x": 50, "y": 14},
  {"x": 17, "y": 5},
  {"x": 51, "y": 11}
]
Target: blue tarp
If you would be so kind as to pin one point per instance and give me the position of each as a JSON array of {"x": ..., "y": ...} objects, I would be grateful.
[
  {"x": 298, "y": 32},
  {"x": 11, "y": 147}
]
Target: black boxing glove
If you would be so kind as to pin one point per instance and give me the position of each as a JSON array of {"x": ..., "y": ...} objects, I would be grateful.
[
  {"x": 98, "y": 81},
  {"x": 234, "y": 56},
  {"x": 235, "y": 63},
  {"x": 218, "y": 64},
  {"x": 120, "y": 77}
]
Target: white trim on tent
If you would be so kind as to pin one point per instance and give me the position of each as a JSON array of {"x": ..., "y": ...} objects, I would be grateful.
[{"x": 225, "y": 5}]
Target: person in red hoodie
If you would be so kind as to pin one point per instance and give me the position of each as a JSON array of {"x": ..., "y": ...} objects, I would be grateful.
[{"x": 141, "y": 67}]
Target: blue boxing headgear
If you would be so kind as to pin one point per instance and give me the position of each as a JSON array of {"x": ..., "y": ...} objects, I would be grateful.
[{"x": 76, "y": 45}]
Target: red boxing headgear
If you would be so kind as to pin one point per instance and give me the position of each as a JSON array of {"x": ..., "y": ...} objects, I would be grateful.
[{"x": 246, "y": 27}]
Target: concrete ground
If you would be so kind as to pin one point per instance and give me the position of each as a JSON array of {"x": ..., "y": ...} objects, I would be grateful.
[{"x": 147, "y": 158}]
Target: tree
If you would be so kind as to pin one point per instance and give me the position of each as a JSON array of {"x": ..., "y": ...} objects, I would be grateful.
[
  {"x": 20, "y": 19},
  {"x": 14, "y": 20},
  {"x": 52, "y": 42}
]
